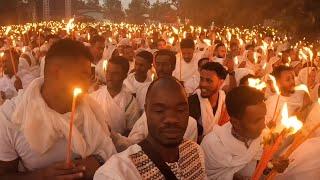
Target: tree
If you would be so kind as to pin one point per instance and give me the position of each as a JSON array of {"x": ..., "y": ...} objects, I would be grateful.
[
  {"x": 113, "y": 10},
  {"x": 162, "y": 11},
  {"x": 136, "y": 11}
]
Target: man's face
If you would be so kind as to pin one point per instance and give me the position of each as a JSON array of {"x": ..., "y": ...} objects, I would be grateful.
[
  {"x": 235, "y": 50},
  {"x": 286, "y": 81},
  {"x": 7, "y": 65},
  {"x": 161, "y": 45},
  {"x": 209, "y": 83},
  {"x": 141, "y": 66},
  {"x": 167, "y": 114},
  {"x": 163, "y": 66},
  {"x": 128, "y": 53},
  {"x": 78, "y": 76},
  {"x": 253, "y": 121},
  {"x": 222, "y": 51},
  {"x": 187, "y": 54},
  {"x": 115, "y": 76},
  {"x": 98, "y": 50}
]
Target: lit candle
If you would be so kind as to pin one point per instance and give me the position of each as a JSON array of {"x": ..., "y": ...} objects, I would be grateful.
[
  {"x": 76, "y": 93},
  {"x": 291, "y": 126}
]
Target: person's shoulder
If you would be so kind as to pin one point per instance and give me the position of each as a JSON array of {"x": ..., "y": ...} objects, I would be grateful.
[{"x": 119, "y": 165}]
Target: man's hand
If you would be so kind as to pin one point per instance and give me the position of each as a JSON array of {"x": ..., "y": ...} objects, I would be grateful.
[
  {"x": 280, "y": 164},
  {"x": 91, "y": 166},
  {"x": 60, "y": 171},
  {"x": 18, "y": 83},
  {"x": 230, "y": 65}
]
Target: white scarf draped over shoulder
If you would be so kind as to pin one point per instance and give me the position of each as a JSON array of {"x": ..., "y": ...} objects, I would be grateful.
[
  {"x": 42, "y": 126},
  {"x": 207, "y": 116}
]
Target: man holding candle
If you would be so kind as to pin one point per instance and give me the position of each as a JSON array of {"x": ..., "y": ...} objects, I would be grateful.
[
  {"x": 232, "y": 150},
  {"x": 34, "y": 126},
  {"x": 164, "y": 154}
]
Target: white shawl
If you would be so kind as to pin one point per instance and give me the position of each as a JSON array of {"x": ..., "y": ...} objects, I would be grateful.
[
  {"x": 207, "y": 117},
  {"x": 225, "y": 155},
  {"x": 42, "y": 126}
]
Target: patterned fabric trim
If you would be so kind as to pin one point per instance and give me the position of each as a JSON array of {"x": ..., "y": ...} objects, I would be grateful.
[{"x": 189, "y": 166}]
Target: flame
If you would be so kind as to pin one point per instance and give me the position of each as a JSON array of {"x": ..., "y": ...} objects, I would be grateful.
[
  {"x": 236, "y": 60},
  {"x": 152, "y": 76},
  {"x": 24, "y": 49},
  {"x": 7, "y": 30},
  {"x": 274, "y": 83},
  {"x": 319, "y": 100},
  {"x": 105, "y": 65},
  {"x": 77, "y": 91},
  {"x": 1, "y": 54},
  {"x": 257, "y": 83},
  {"x": 302, "y": 87},
  {"x": 89, "y": 37},
  {"x": 175, "y": 30},
  {"x": 291, "y": 123},
  {"x": 228, "y": 36},
  {"x": 264, "y": 66},
  {"x": 240, "y": 42},
  {"x": 207, "y": 41},
  {"x": 171, "y": 40},
  {"x": 255, "y": 57},
  {"x": 70, "y": 25}
]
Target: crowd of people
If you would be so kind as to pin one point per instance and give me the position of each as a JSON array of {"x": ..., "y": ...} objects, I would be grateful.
[{"x": 159, "y": 101}]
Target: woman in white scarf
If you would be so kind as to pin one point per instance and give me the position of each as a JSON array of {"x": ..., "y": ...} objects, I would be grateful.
[{"x": 307, "y": 76}]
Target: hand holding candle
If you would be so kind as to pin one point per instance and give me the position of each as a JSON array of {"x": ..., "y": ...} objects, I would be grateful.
[
  {"x": 291, "y": 126},
  {"x": 76, "y": 93}
]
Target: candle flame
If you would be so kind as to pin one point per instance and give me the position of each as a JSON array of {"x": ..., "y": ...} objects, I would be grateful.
[
  {"x": 255, "y": 57},
  {"x": 152, "y": 76},
  {"x": 274, "y": 83},
  {"x": 207, "y": 41},
  {"x": 256, "y": 83},
  {"x": 175, "y": 30},
  {"x": 291, "y": 123},
  {"x": 105, "y": 65},
  {"x": 1, "y": 54},
  {"x": 7, "y": 30},
  {"x": 88, "y": 36},
  {"x": 171, "y": 39},
  {"x": 302, "y": 87},
  {"x": 77, "y": 91},
  {"x": 236, "y": 60},
  {"x": 70, "y": 25},
  {"x": 264, "y": 66}
]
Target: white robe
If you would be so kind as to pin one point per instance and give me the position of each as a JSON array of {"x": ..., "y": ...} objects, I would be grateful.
[
  {"x": 7, "y": 86},
  {"x": 225, "y": 155},
  {"x": 133, "y": 85},
  {"x": 294, "y": 102},
  {"x": 188, "y": 70},
  {"x": 121, "y": 111},
  {"x": 207, "y": 118},
  {"x": 37, "y": 136}
]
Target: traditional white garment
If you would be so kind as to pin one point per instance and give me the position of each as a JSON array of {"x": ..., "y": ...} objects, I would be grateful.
[
  {"x": 134, "y": 164},
  {"x": 7, "y": 86},
  {"x": 133, "y": 85},
  {"x": 303, "y": 79},
  {"x": 294, "y": 102},
  {"x": 201, "y": 46},
  {"x": 39, "y": 139},
  {"x": 141, "y": 95},
  {"x": 225, "y": 155},
  {"x": 42, "y": 64},
  {"x": 188, "y": 70},
  {"x": 140, "y": 131},
  {"x": 100, "y": 72},
  {"x": 239, "y": 74},
  {"x": 218, "y": 60},
  {"x": 120, "y": 112},
  {"x": 27, "y": 72},
  {"x": 208, "y": 120}
]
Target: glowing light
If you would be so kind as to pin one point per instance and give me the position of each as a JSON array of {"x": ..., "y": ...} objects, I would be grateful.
[
  {"x": 291, "y": 123},
  {"x": 105, "y": 65},
  {"x": 274, "y": 83},
  {"x": 257, "y": 83},
  {"x": 70, "y": 26},
  {"x": 77, "y": 91},
  {"x": 207, "y": 41}
]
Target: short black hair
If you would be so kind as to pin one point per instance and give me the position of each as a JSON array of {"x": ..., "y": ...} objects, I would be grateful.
[
  {"x": 121, "y": 61},
  {"x": 165, "y": 52},
  {"x": 247, "y": 47},
  {"x": 68, "y": 48},
  {"x": 239, "y": 98},
  {"x": 168, "y": 79},
  {"x": 217, "y": 68},
  {"x": 245, "y": 78},
  {"x": 278, "y": 70},
  {"x": 146, "y": 55},
  {"x": 96, "y": 38},
  {"x": 201, "y": 60},
  {"x": 159, "y": 40},
  {"x": 219, "y": 45},
  {"x": 187, "y": 43}
]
